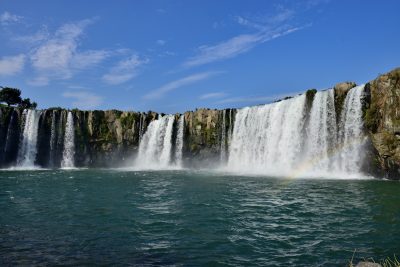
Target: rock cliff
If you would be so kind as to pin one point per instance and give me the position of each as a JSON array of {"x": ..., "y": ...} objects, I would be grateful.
[
  {"x": 382, "y": 120},
  {"x": 111, "y": 138}
]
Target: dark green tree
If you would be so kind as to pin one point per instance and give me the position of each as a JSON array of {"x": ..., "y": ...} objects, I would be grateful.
[
  {"x": 26, "y": 103},
  {"x": 11, "y": 96}
]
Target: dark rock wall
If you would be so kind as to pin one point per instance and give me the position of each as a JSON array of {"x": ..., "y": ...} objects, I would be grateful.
[
  {"x": 382, "y": 119},
  {"x": 203, "y": 135}
]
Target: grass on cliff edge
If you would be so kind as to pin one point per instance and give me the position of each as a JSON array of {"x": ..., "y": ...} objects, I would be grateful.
[{"x": 387, "y": 262}]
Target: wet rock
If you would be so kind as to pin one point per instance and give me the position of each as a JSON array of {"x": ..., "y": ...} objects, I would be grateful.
[{"x": 368, "y": 264}]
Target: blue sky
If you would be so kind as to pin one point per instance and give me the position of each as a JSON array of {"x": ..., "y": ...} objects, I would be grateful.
[{"x": 173, "y": 56}]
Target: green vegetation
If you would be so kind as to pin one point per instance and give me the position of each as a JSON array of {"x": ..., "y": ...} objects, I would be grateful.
[
  {"x": 6, "y": 114},
  {"x": 389, "y": 140},
  {"x": 12, "y": 96},
  {"x": 26, "y": 103},
  {"x": 55, "y": 108},
  {"x": 128, "y": 120},
  {"x": 387, "y": 262},
  {"x": 340, "y": 97},
  {"x": 395, "y": 75},
  {"x": 372, "y": 118}
]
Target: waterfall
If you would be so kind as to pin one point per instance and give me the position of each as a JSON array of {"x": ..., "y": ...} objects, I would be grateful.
[
  {"x": 280, "y": 139},
  {"x": 321, "y": 131},
  {"x": 351, "y": 135},
  {"x": 165, "y": 156},
  {"x": 268, "y": 139},
  {"x": 223, "y": 138},
  {"x": 69, "y": 143},
  {"x": 142, "y": 122},
  {"x": 179, "y": 141},
  {"x": 28, "y": 149},
  {"x": 53, "y": 143},
  {"x": 156, "y": 144}
]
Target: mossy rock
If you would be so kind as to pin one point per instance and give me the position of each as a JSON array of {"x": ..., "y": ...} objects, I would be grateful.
[
  {"x": 310, "y": 97},
  {"x": 340, "y": 93},
  {"x": 371, "y": 118}
]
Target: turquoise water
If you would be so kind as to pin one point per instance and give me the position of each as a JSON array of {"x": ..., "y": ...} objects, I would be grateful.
[{"x": 186, "y": 218}]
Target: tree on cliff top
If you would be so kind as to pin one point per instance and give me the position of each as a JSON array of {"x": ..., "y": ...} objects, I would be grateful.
[
  {"x": 11, "y": 96},
  {"x": 26, "y": 103}
]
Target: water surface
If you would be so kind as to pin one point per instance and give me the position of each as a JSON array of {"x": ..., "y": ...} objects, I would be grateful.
[{"x": 187, "y": 218}]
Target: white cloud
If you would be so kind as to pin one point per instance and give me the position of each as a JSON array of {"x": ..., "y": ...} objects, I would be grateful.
[
  {"x": 84, "y": 100},
  {"x": 159, "y": 92},
  {"x": 245, "y": 22},
  {"x": 8, "y": 18},
  {"x": 40, "y": 36},
  {"x": 224, "y": 50},
  {"x": 89, "y": 58},
  {"x": 124, "y": 71},
  {"x": 39, "y": 81},
  {"x": 212, "y": 95},
  {"x": 77, "y": 87},
  {"x": 235, "y": 46},
  {"x": 282, "y": 16},
  {"x": 161, "y": 42},
  {"x": 271, "y": 28},
  {"x": 247, "y": 99},
  {"x": 12, "y": 65},
  {"x": 57, "y": 52},
  {"x": 54, "y": 56},
  {"x": 58, "y": 57},
  {"x": 312, "y": 3},
  {"x": 167, "y": 54},
  {"x": 258, "y": 99}
]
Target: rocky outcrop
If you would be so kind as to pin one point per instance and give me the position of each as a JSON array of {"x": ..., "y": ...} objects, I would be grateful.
[
  {"x": 340, "y": 93},
  {"x": 203, "y": 134},
  {"x": 108, "y": 138},
  {"x": 382, "y": 119},
  {"x": 368, "y": 264}
]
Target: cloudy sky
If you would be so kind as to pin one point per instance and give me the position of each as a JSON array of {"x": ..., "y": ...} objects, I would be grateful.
[{"x": 172, "y": 56}]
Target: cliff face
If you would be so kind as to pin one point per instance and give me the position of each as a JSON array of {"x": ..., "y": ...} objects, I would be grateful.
[
  {"x": 108, "y": 138},
  {"x": 382, "y": 119},
  {"x": 112, "y": 137},
  {"x": 204, "y": 135}
]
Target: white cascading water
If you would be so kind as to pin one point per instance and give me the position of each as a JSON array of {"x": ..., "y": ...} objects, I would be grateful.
[
  {"x": 268, "y": 139},
  {"x": 321, "y": 132},
  {"x": 156, "y": 145},
  {"x": 351, "y": 135},
  {"x": 28, "y": 148},
  {"x": 142, "y": 121},
  {"x": 165, "y": 156},
  {"x": 69, "y": 143},
  {"x": 274, "y": 140},
  {"x": 179, "y": 142}
]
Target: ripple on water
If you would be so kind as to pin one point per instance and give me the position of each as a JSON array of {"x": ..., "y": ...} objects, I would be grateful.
[{"x": 192, "y": 218}]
